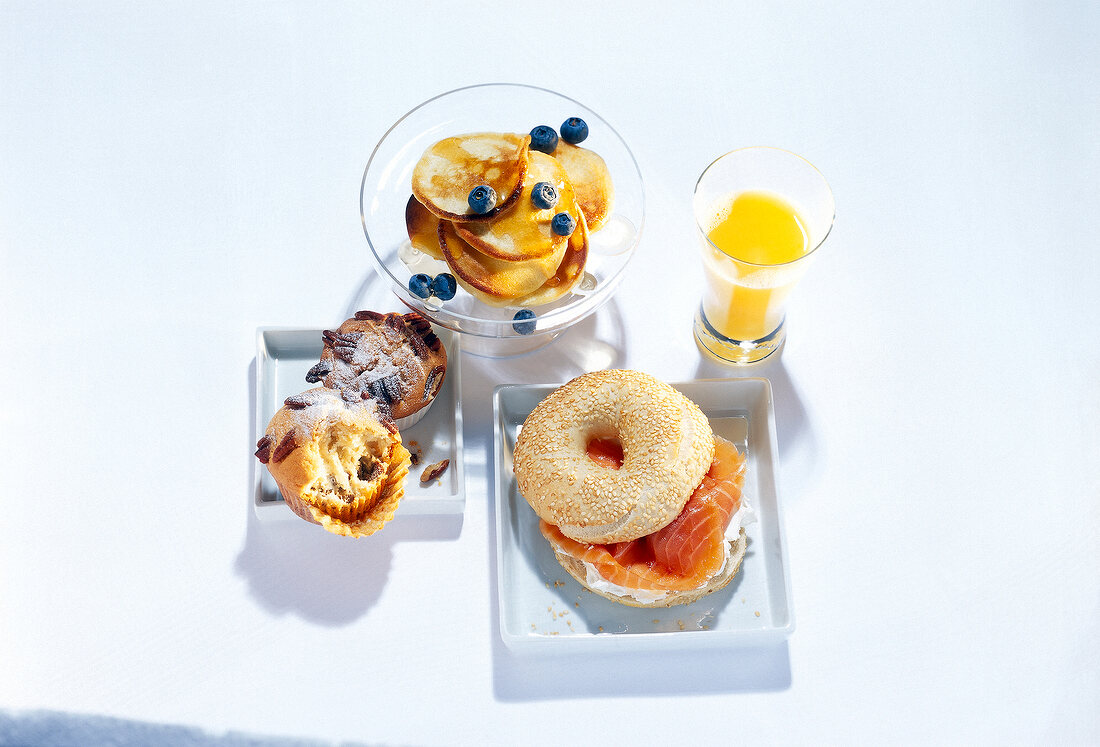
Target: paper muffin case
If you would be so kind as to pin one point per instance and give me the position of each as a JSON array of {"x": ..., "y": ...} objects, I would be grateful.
[
  {"x": 410, "y": 420},
  {"x": 363, "y": 518}
]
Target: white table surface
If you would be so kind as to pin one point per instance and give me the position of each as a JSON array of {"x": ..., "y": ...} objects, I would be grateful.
[{"x": 175, "y": 175}]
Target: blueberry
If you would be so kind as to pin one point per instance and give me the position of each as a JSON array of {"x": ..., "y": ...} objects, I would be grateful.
[
  {"x": 562, "y": 224},
  {"x": 524, "y": 321},
  {"x": 420, "y": 285},
  {"x": 544, "y": 196},
  {"x": 544, "y": 138},
  {"x": 444, "y": 286},
  {"x": 482, "y": 199},
  {"x": 574, "y": 130}
]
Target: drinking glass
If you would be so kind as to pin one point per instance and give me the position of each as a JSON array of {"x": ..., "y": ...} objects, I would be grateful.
[{"x": 774, "y": 194}]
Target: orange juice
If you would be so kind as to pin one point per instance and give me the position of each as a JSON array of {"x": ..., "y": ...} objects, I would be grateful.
[{"x": 754, "y": 239}]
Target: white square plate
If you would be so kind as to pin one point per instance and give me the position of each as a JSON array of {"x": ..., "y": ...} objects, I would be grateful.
[
  {"x": 543, "y": 608},
  {"x": 283, "y": 357}
]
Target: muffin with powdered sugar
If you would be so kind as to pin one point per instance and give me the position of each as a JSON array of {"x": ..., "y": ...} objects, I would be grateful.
[
  {"x": 394, "y": 359},
  {"x": 338, "y": 460}
]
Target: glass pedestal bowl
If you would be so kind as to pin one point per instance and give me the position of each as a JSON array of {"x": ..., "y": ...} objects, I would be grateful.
[{"x": 498, "y": 107}]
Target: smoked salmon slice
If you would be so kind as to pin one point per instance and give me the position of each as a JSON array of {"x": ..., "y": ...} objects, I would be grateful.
[
  {"x": 606, "y": 452},
  {"x": 682, "y": 555}
]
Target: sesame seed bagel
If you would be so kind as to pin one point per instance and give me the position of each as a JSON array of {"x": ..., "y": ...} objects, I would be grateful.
[{"x": 667, "y": 446}]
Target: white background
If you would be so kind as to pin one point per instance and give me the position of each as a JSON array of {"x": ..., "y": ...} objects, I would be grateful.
[{"x": 174, "y": 175}]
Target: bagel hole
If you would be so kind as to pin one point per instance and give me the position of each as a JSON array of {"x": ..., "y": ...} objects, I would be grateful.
[{"x": 606, "y": 451}]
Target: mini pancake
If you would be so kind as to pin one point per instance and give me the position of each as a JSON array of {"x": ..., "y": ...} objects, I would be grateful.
[
  {"x": 495, "y": 278},
  {"x": 590, "y": 178},
  {"x": 568, "y": 274},
  {"x": 523, "y": 231},
  {"x": 444, "y": 176},
  {"x": 423, "y": 228}
]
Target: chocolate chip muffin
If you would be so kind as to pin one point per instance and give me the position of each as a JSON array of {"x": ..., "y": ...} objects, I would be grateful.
[{"x": 392, "y": 358}]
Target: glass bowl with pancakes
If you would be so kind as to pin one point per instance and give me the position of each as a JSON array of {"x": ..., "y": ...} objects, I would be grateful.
[{"x": 509, "y": 260}]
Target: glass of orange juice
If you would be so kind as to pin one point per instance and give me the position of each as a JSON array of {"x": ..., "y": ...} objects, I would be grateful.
[{"x": 761, "y": 213}]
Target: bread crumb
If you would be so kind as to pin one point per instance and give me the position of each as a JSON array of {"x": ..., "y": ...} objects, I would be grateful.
[
  {"x": 757, "y": 613},
  {"x": 600, "y": 628},
  {"x": 655, "y": 621}
]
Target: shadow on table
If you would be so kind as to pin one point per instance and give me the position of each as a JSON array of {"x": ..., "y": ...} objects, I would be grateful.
[
  {"x": 577, "y": 350},
  {"x": 294, "y": 566},
  {"x": 372, "y": 294},
  {"x": 43, "y": 727},
  {"x": 544, "y": 677}
]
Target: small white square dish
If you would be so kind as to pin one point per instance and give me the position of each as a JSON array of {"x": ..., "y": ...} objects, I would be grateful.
[
  {"x": 542, "y": 608},
  {"x": 283, "y": 357}
]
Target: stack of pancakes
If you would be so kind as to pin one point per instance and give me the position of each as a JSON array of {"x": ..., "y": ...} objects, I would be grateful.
[{"x": 508, "y": 256}]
